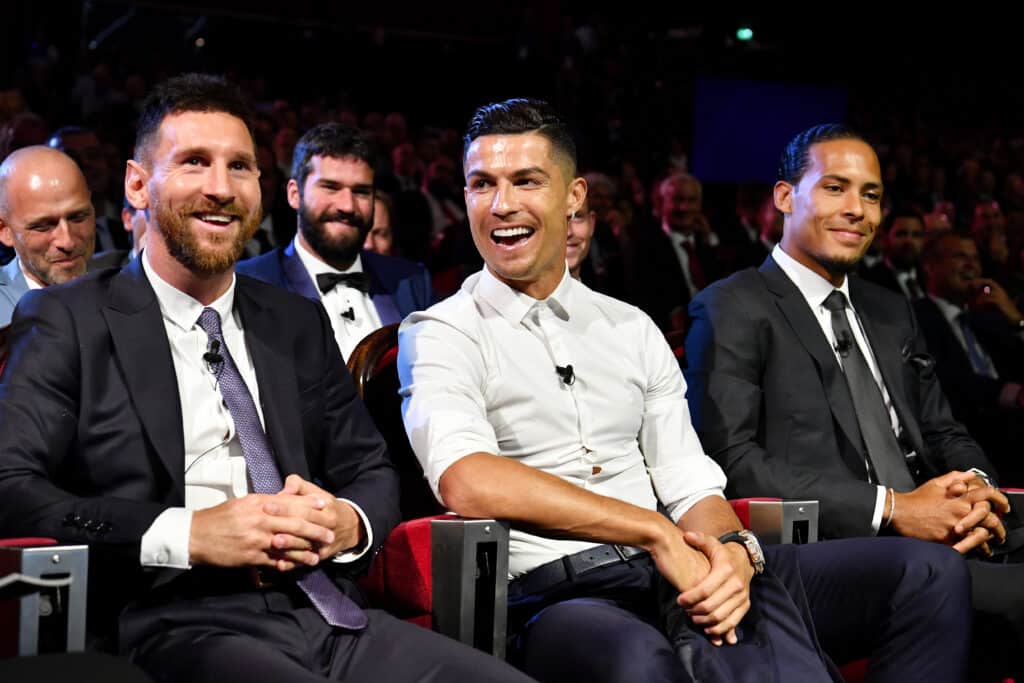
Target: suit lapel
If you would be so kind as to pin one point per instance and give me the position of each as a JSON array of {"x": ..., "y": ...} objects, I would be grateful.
[
  {"x": 144, "y": 355},
  {"x": 297, "y": 275},
  {"x": 16, "y": 279},
  {"x": 275, "y": 374},
  {"x": 383, "y": 301},
  {"x": 800, "y": 317}
]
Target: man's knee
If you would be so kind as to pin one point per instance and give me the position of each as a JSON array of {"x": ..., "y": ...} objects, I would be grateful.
[
  {"x": 937, "y": 571},
  {"x": 574, "y": 639}
]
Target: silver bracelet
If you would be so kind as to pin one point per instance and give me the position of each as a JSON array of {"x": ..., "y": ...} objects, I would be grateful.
[{"x": 892, "y": 508}]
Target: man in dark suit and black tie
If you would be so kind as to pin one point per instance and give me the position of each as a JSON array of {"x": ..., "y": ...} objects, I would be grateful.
[
  {"x": 902, "y": 235},
  {"x": 805, "y": 383},
  {"x": 331, "y": 189},
  {"x": 199, "y": 431}
]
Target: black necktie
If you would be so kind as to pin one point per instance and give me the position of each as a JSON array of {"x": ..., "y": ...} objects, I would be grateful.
[
  {"x": 884, "y": 452},
  {"x": 914, "y": 288},
  {"x": 328, "y": 281}
]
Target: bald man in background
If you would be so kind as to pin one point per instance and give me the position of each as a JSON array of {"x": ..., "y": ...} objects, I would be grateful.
[{"x": 47, "y": 217}]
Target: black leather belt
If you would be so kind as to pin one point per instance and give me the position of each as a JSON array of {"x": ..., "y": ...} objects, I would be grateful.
[{"x": 547, "y": 575}]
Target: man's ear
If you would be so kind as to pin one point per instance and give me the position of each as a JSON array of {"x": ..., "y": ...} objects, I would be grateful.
[
  {"x": 783, "y": 195},
  {"x": 293, "y": 194},
  {"x": 6, "y": 234},
  {"x": 136, "y": 188},
  {"x": 577, "y": 195}
]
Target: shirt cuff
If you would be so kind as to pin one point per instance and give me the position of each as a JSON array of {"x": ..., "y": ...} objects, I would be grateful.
[
  {"x": 982, "y": 474},
  {"x": 165, "y": 543},
  {"x": 358, "y": 551},
  {"x": 876, "y": 516}
]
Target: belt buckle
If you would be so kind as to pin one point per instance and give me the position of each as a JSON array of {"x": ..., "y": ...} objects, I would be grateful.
[
  {"x": 620, "y": 552},
  {"x": 259, "y": 579}
]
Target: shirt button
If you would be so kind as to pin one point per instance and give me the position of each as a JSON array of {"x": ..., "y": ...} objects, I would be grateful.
[
  {"x": 596, "y": 469},
  {"x": 162, "y": 557}
]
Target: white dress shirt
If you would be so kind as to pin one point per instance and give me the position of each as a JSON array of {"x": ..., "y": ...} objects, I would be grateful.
[
  {"x": 815, "y": 289},
  {"x": 29, "y": 280},
  {"x": 341, "y": 298},
  {"x": 951, "y": 312},
  {"x": 478, "y": 375},
  {"x": 214, "y": 463}
]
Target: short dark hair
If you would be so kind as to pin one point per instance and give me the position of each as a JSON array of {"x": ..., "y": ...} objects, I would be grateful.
[
  {"x": 895, "y": 215},
  {"x": 336, "y": 140},
  {"x": 797, "y": 155},
  {"x": 188, "y": 93},
  {"x": 932, "y": 250},
  {"x": 520, "y": 115}
]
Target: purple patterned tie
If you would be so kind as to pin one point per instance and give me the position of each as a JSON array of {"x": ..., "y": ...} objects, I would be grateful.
[{"x": 334, "y": 605}]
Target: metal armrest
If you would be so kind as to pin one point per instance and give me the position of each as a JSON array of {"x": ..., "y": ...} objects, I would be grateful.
[
  {"x": 47, "y": 574},
  {"x": 469, "y": 568},
  {"x": 779, "y": 521}
]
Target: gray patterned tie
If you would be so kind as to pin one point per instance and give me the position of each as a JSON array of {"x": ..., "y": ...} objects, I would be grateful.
[
  {"x": 334, "y": 605},
  {"x": 884, "y": 451}
]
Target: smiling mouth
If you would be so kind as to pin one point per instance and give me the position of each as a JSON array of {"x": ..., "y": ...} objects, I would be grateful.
[
  {"x": 511, "y": 237},
  {"x": 849, "y": 233},
  {"x": 219, "y": 220}
]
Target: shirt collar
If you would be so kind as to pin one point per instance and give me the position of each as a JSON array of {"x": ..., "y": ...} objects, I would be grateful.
[
  {"x": 814, "y": 288},
  {"x": 315, "y": 266},
  {"x": 678, "y": 238},
  {"x": 180, "y": 308},
  {"x": 29, "y": 281},
  {"x": 513, "y": 305},
  {"x": 948, "y": 309}
]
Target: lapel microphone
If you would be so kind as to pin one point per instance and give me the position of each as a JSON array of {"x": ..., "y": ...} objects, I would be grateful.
[
  {"x": 212, "y": 356},
  {"x": 844, "y": 344},
  {"x": 349, "y": 314},
  {"x": 566, "y": 373}
]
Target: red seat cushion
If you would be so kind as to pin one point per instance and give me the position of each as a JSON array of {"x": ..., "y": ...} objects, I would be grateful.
[
  {"x": 26, "y": 542},
  {"x": 399, "y": 579}
]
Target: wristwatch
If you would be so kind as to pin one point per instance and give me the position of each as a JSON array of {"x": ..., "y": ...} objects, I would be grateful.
[{"x": 749, "y": 541}]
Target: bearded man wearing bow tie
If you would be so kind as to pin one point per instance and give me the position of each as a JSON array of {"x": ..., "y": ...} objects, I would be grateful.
[{"x": 331, "y": 189}]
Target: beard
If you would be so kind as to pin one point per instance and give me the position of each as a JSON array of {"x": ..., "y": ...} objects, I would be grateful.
[
  {"x": 839, "y": 266},
  {"x": 220, "y": 251},
  {"x": 339, "y": 250}
]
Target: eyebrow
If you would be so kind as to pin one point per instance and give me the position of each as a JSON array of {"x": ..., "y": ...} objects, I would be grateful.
[
  {"x": 847, "y": 181},
  {"x": 518, "y": 173},
  {"x": 188, "y": 152}
]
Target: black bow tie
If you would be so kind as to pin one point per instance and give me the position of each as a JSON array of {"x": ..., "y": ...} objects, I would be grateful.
[{"x": 328, "y": 281}]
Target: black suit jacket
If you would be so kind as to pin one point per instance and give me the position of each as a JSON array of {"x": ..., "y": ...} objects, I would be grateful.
[
  {"x": 771, "y": 404},
  {"x": 884, "y": 276},
  {"x": 91, "y": 443},
  {"x": 398, "y": 286},
  {"x": 654, "y": 276},
  {"x": 974, "y": 398}
]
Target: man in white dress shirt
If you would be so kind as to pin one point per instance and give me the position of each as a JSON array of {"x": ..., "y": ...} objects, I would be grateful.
[
  {"x": 528, "y": 397},
  {"x": 200, "y": 432}
]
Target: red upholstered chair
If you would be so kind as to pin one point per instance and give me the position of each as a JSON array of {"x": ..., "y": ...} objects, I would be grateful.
[{"x": 435, "y": 569}]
